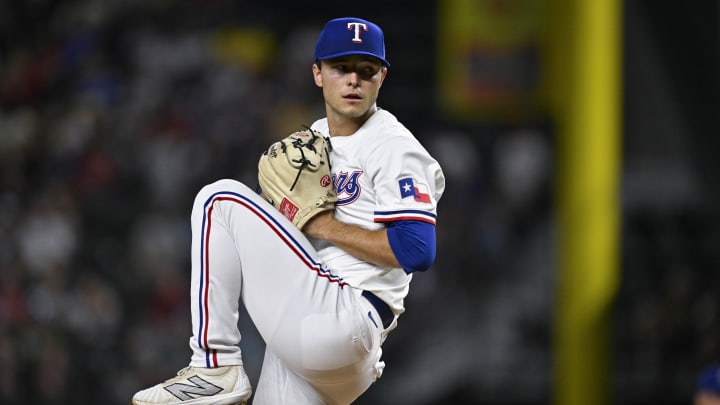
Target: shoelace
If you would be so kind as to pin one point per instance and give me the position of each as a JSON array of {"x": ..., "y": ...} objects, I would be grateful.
[{"x": 183, "y": 370}]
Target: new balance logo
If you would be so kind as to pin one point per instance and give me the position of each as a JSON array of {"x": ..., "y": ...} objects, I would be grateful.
[{"x": 201, "y": 387}]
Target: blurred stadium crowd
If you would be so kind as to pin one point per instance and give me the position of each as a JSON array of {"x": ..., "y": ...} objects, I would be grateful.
[{"x": 112, "y": 116}]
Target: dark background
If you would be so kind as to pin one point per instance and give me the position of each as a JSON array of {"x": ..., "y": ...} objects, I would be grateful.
[{"x": 113, "y": 114}]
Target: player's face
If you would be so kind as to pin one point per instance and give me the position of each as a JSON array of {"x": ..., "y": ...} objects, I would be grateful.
[{"x": 350, "y": 86}]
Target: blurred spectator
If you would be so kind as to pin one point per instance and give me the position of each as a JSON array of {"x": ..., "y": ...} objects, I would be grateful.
[
  {"x": 708, "y": 387},
  {"x": 48, "y": 236}
]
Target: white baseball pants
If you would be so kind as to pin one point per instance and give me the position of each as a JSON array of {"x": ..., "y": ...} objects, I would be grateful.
[{"x": 322, "y": 347}]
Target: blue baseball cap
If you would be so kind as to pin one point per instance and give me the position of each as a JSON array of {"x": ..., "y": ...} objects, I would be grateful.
[{"x": 350, "y": 36}]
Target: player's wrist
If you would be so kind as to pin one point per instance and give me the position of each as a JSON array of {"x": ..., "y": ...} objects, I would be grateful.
[{"x": 318, "y": 226}]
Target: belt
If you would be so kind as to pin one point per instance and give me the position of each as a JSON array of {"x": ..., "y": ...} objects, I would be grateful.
[{"x": 386, "y": 314}]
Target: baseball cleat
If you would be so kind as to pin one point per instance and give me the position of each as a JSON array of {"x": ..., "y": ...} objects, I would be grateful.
[{"x": 227, "y": 385}]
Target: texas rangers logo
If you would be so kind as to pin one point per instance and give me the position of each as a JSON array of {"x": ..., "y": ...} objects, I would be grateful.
[
  {"x": 409, "y": 188},
  {"x": 357, "y": 26},
  {"x": 347, "y": 187}
]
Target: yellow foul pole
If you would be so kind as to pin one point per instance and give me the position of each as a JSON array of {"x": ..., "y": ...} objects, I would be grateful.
[{"x": 584, "y": 86}]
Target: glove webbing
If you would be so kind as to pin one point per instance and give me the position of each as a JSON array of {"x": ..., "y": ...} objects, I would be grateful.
[{"x": 303, "y": 161}]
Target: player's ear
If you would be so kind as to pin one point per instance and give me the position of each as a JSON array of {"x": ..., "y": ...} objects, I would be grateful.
[
  {"x": 316, "y": 74},
  {"x": 383, "y": 74}
]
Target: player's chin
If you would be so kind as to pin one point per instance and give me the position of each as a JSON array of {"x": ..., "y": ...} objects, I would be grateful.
[{"x": 354, "y": 109}]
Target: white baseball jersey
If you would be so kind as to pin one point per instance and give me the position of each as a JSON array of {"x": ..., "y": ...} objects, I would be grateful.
[{"x": 381, "y": 174}]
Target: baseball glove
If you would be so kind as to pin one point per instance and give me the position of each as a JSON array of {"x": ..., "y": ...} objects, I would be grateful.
[{"x": 294, "y": 176}]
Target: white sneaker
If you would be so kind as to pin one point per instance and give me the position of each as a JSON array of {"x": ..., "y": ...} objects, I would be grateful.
[{"x": 227, "y": 385}]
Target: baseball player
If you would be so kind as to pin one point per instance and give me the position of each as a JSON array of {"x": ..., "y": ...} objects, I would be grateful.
[{"x": 323, "y": 257}]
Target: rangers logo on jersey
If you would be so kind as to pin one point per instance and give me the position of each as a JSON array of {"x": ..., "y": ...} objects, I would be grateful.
[
  {"x": 347, "y": 186},
  {"x": 409, "y": 188}
]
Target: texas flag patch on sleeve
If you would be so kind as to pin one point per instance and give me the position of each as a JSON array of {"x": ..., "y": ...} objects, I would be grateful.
[{"x": 416, "y": 190}]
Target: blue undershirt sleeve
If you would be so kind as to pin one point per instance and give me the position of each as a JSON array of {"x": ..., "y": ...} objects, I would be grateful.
[{"x": 413, "y": 243}]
